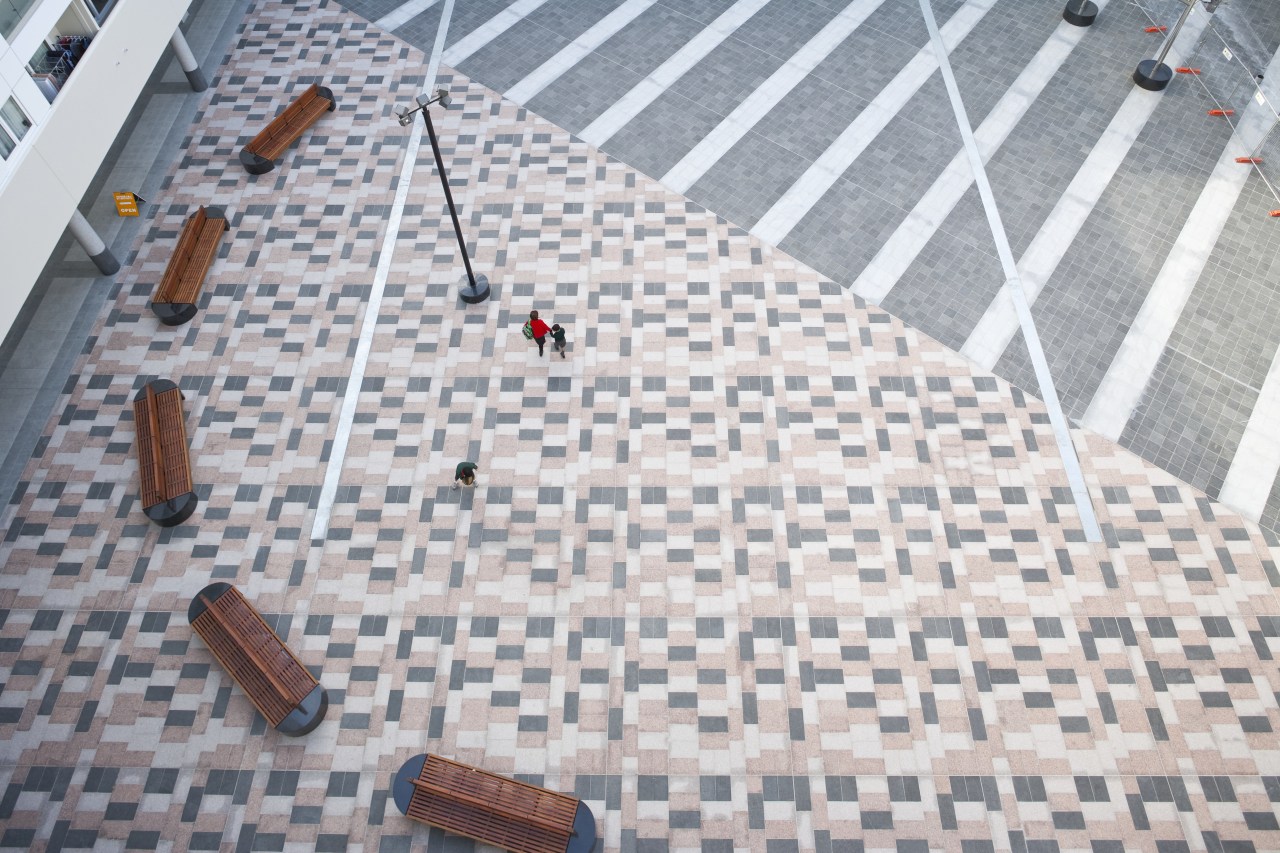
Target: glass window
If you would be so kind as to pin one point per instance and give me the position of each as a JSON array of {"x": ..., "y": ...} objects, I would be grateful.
[
  {"x": 101, "y": 8},
  {"x": 15, "y": 120},
  {"x": 11, "y": 14},
  {"x": 6, "y": 145}
]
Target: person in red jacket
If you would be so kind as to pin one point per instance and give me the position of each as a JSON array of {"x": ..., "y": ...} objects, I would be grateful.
[{"x": 539, "y": 330}]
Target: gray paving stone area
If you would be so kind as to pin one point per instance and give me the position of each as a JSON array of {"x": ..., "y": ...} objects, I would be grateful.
[
  {"x": 1087, "y": 307},
  {"x": 1271, "y": 515},
  {"x": 881, "y": 186},
  {"x": 1229, "y": 317},
  {"x": 1190, "y": 420},
  {"x": 755, "y": 173},
  {"x": 534, "y": 40},
  {"x": 1209, "y": 377},
  {"x": 595, "y": 83}
]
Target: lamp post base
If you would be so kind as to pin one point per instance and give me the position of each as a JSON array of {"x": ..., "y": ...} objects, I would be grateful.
[
  {"x": 1080, "y": 14},
  {"x": 472, "y": 295},
  {"x": 1152, "y": 75}
]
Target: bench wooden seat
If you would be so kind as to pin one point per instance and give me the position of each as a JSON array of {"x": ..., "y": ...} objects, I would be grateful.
[
  {"x": 259, "y": 155},
  {"x": 175, "y": 299},
  {"x": 279, "y": 686},
  {"x": 164, "y": 464},
  {"x": 492, "y": 809}
]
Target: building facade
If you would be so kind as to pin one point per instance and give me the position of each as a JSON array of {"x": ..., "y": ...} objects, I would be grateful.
[{"x": 70, "y": 73}]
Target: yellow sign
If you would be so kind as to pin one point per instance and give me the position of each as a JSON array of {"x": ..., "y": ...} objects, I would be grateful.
[{"x": 126, "y": 204}]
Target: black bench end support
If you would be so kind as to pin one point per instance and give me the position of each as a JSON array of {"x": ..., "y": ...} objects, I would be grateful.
[
  {"x": 327, "y": 93},
  {"x": 254, "y": 164},
  {"x": 401, "y": 784},
  {"x": 583, "y": 839},
  {"x": 309, "y": 713},
  {"x": 159, "y": 386},
  {"x": 212, "y": 592},
  {"x": 174, "y": 511},
  {"x": 175, "y": 313}
]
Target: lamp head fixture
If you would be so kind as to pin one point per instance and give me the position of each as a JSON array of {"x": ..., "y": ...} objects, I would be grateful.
[{"x": 442, "y": 97}]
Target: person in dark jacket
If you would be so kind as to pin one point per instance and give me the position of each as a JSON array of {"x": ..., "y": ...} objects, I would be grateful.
[
  {"x": 465, "y": 474},
  {"x": 557, "y": 339},
  {"x": 539, "y": 330}
]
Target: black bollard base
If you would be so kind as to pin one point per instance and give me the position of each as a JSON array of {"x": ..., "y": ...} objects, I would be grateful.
[
  {"x": 472, "y": 295},
  {"x": 1152, "y": 76},
  {"x": 1081, "y": 14}
]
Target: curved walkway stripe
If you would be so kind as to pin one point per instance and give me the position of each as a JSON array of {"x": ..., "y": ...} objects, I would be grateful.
[
  {"x": 797, "y": 201},
  {"x": 738, "y": 123}
]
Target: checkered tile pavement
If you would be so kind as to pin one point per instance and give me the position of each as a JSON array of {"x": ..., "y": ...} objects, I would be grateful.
[{"x": 756, "y": 567}]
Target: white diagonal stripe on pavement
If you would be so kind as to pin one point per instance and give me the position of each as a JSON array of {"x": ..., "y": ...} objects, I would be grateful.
[
  {"x": 573, "y": 53},
  {"x": 738, "y": 123},
  {"x": 797, "y": 201},
  {"x": 901, "y": 249},
  {"x": 661, "y": 78}
]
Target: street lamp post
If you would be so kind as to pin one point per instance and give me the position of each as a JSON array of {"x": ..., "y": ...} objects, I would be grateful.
[{"x": 474, "y": 288}]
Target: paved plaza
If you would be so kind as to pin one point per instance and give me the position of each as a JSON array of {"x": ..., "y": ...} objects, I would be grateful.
[
  {"x": 759, "y": 566},
  {"x": 822, "y": 127}
]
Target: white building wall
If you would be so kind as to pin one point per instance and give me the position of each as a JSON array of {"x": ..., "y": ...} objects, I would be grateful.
[{"x": 44, "y": 180}]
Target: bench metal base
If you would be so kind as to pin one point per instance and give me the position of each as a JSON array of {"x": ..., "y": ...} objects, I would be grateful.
[
  {"x": 1080, "y": 14},
  {"x": 175, "y": 313},
  {"x": 583, "y": 839},
  {"x": 212, "y": 592},
  {"x": 157, "y": 385},
  {"x": 254, "y": 164},
  {"x": 473, "y": 295},
  {"x": 310, "y": 711},
  {"x": 1152, "y": 76},
  {"x": 401, "y": 787},
  {"x": 309, "y": 714},
  {"x": 174, "y": 511}
]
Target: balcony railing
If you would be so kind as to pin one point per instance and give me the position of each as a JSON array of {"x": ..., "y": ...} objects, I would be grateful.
[{"x": 51, "y": 69}]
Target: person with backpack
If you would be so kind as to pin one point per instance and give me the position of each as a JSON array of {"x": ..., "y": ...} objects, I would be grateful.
[
  {"x": 536, "y": 330},
  {"x": 557, "y": 339},
  {"x": 465, "y": 474}
]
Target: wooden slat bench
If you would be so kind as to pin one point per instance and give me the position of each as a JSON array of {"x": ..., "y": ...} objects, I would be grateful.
[
  {"x": 492, "y": 809},
  {"x": 279, "y": 686},
  {"x": 259, "y": 155},
  {"x": 175, "y": 299},
  {"x": 164, "y": 464}
]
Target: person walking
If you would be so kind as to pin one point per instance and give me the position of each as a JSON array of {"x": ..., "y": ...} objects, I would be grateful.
[
  {"x": 465, "y": 474},
  {"x": 557, "y": 339},
  {"x": 536, "y": 330}
]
